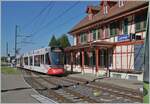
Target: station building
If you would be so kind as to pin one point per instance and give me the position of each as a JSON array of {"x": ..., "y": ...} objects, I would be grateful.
[{"x": 110, "y": 40}]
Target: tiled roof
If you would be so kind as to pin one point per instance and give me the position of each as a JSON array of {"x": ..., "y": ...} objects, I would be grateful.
[
  {"x": 115, "y": 10},
  {"x": 96, "y": 7}
]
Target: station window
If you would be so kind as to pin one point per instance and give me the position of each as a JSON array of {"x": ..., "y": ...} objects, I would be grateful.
[
  {"x": 68, "y": 58},
  {"x": 31, "y": 60},
  {"x": 110, "y": 57},
  {"x": 121, "y": 3},
  {"x": 83, "y": 38},
  {"x": 107, "y": 32},
  {"x": 37, "y": 60},
  {"x": 103, "y": 58},
  {"x": 78, "y": 58},
  {"x": 92, "y": 59},
  {"x": 125, "y": 26},
  {"x": 105, "y": 9},
  {"x": 113, "y": 28},
  {"x": 96, "y": 34},
  {"x": 140, "y": 22},
  {"x": 86, "y": 59}
]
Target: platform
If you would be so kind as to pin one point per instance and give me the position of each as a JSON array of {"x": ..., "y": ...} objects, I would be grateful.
[{"x": 131, "y": 84}]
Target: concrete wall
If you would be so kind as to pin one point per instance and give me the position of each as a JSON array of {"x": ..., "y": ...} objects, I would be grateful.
[
  {"x": 103, "y": 72},
  {"x": 127, "y": 76}
]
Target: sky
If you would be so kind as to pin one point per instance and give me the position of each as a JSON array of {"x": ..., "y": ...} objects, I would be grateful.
[{"x": 37, "y": 21}]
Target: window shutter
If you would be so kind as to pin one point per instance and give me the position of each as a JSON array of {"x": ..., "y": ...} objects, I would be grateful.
[
  {"x": 98, "y": 37},
  {"x": 125, "y": 26}
]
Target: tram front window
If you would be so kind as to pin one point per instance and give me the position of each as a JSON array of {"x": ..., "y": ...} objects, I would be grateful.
[{"x": 57, "y": 58}]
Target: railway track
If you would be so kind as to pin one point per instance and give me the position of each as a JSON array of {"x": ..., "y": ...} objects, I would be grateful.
[
  {"x": 114, "y": 91},
  {"x": 62, "y": 95},
  {"x": 72, "y": 90},
  {"x": 44, "y": 90},
  {"x": 127, "y": 93}
]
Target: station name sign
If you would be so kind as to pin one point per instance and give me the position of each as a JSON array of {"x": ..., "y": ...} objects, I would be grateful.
[{"x": 123, "y": 37}]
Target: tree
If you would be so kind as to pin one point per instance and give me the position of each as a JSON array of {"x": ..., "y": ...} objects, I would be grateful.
[
  {"x": 63, "y": 41},
  {"x": 53, "y": 41}
]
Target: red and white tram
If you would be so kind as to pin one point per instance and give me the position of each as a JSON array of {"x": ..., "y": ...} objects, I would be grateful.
[{"x": 48, "y": 60}]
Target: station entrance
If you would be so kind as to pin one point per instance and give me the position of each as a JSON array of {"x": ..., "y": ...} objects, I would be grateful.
[{"x": 95, "y": 56}]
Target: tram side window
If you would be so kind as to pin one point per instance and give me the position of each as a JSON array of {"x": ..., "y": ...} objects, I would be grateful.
[
  {"x": 37, "y": 60},
  {"x": 42, "y": 59},
  {"x": 31, "y": 60},
  {"x": 47, "y": 59},
  {"x": 26, "y": 60}
]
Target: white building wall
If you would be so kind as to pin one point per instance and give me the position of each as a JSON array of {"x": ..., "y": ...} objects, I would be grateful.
[
  {"x": 127, "y": 59},
  {"x": 131, "y": 25}
]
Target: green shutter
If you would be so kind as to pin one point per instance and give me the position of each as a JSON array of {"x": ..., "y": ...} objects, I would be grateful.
[
  {"x": 98, "y": 34},
  {"x": 111, "y": 29},
  {"x": 145, "y": 20},
  {"x": 85, "y": 58},
  {"x": 84, "y": 37},
  {"x": 138, "y": 26},
  {"x": 144, "y": 24},
  {"x": 94, "y": 34},
  {"x": 125, "y": 26}
]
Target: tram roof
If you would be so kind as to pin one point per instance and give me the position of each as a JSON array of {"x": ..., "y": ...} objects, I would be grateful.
[{"x": 37, "y": 51}]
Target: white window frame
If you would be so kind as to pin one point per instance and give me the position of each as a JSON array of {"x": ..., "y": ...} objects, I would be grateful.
[
  {"x": 84, "y": 37},
  {"x": 121, "y": 3},
  {"x": 105, "y": 9}
]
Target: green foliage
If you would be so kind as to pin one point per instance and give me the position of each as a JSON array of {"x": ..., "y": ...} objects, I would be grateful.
[
  {"x": 61, "y": 42},
  {"x": 53, "y": 41}
]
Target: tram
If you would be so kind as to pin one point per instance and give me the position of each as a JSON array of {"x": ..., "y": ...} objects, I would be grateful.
[{"x": 48, "y": 60}]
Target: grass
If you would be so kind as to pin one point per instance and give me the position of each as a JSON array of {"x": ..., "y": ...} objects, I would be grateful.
[
  {"x": 146, "y": 97},
  {"x": 9, "y": 70}
]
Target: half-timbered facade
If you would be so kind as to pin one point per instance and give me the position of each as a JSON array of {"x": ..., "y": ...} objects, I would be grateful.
[{"x": 110, "y": 40}]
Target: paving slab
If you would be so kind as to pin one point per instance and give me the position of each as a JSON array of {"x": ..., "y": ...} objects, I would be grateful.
[{"x": 15, "y": 90}]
